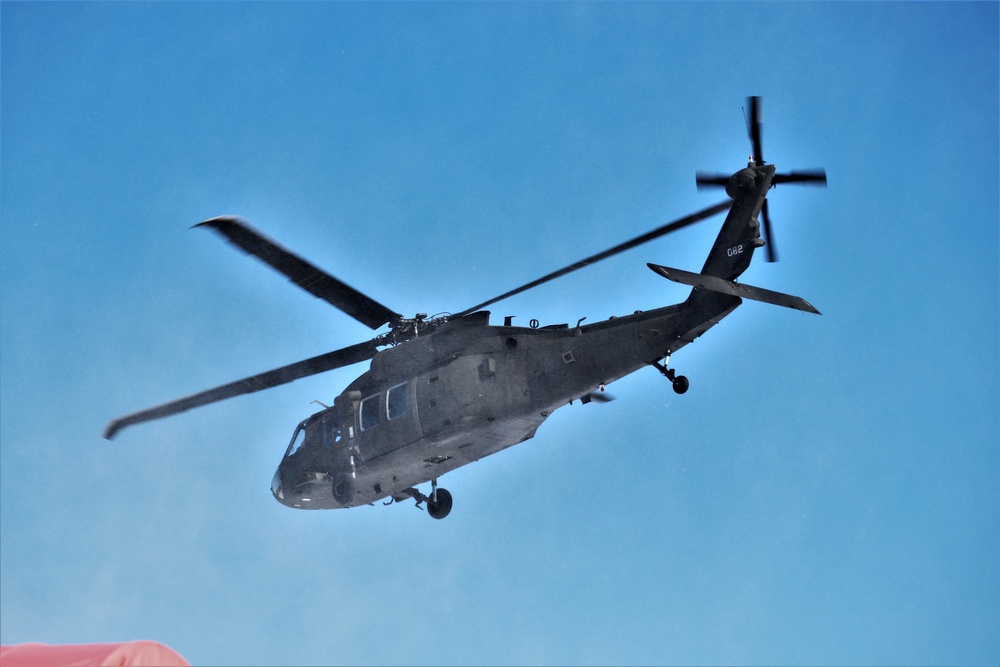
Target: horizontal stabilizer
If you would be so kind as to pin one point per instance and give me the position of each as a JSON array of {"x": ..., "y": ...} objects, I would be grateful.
[{"x": 715, "y": 284}]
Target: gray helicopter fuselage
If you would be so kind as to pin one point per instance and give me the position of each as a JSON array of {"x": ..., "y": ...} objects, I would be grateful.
[{"x": 468, "y": 390}]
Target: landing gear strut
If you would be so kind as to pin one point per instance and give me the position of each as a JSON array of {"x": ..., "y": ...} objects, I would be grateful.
[
  {"x": 438, "y": 503},
  {"x": 679, "y": 382}
]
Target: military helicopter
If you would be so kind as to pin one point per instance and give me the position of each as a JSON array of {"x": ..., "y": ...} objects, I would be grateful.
[{"x": 444, "y": 391}]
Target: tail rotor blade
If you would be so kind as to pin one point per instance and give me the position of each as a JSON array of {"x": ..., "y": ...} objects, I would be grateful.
[
  {"x": 809, "y": 177},
  {"x": 756, "y": 113},
  {"x": 772, "y": 251},
  {"x": 706, "y": 180}
]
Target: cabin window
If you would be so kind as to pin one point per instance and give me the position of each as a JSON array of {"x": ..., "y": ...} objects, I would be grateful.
[
  {"x": 397, "y": 402},
  {"x": 371, "y": 412}
]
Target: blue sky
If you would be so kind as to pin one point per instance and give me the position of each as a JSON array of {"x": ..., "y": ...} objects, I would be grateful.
[{"x": 826, "y": 492}]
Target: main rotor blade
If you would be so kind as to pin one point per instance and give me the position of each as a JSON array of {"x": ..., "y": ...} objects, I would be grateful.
[
  {"x": 310, "y": 278},
  {"x": 300, "y": 369},
  {"x": 817, "y": 176},
  {"x": 756, "y": 113},
  {"x": 637, "y": 241}
]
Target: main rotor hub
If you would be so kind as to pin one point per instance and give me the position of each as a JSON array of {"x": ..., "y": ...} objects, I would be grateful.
[{"x": 408, "y": 328}]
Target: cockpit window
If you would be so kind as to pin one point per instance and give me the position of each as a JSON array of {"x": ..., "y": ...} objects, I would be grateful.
[
  {"x": 331, "y": 428},
  {"x": 371, "y": 412},
  {"x": 298, "y": 438},
  {"x": 397, "y": 401}
]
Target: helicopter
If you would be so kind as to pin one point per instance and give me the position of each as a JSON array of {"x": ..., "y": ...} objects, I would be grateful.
[{"x": 442, "y": 392}]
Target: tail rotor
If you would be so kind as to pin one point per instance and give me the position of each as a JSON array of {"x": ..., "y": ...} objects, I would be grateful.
[{"x": 807, "y": 177}]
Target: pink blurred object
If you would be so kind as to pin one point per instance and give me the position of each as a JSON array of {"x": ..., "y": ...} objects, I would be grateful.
[{"x": 142, "y": 653}]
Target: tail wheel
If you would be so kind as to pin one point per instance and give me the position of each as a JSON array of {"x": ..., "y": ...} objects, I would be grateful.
[
  {"x": 681, "y": 384},
  {"x": 439, "y": 505}
]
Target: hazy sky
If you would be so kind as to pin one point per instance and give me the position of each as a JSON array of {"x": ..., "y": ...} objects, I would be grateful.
[{"x": 826, "y": 492}]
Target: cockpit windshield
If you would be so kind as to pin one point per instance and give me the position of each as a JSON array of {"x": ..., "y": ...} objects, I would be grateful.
[
  {"x": 320, "y": 430},
  {"x": 298, "y": 438},
  {"x": 331, "y": 428}
]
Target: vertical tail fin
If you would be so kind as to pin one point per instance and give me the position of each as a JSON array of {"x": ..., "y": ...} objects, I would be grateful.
[{"x": 740, "y": 234}]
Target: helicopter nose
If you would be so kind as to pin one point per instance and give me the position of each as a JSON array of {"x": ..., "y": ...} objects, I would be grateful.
[{"x": 276, "y": 487}]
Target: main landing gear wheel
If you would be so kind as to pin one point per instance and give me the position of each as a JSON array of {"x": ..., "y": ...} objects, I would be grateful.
[{"x": 439, "y": 504}]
